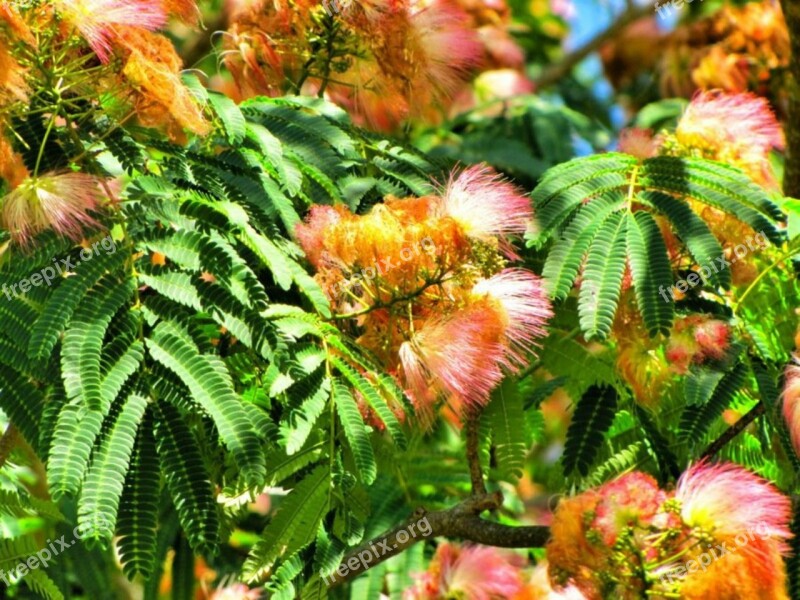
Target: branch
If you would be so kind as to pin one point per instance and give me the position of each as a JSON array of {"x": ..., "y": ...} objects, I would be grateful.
[
  {"x": 461, "y": 521},
  {"x": 734, "y": 430},
  {"x": 555, "y": 72},
  {"x": 473, "y": 456},
  {"x": 791, "y": 177},
  {"x": 7, "y": 443},
  {"x": 39, "y": 487}
]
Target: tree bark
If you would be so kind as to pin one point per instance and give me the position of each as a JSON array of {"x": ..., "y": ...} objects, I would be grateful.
[
  {"x": 734, "y": 430},
  {"x": 791, "y": 180},
  {"x": 473, "y": 459},
  {"x": 459, "y": 522}
]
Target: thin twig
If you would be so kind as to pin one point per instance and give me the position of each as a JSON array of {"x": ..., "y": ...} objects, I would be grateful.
[
  {"x": 379, "y": 304},
  {"x": 734, "y": 430},
  {"x": 559, "y": 70}
]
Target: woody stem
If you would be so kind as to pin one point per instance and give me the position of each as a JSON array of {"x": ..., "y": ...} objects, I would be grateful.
[{"x": 473, "y": 455}]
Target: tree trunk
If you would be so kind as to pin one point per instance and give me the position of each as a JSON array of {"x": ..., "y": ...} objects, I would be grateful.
[{"x": 791, "y": 183}]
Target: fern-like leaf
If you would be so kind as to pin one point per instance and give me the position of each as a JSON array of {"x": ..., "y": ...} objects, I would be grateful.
[
  {"x": 692, "y": 231},
  {"x": 579, "y": 203},
  {"x": 99, "y": 502},
  {"x": 605, "y": 267},
  {"x": 83, "y": 341},
  {"x": 567, "y": 255},
  {"x": 506, "y": 419},
  {"x": 355, "y": 431},
  {"x": 313, "y": 393},
  {"x": 138, "y": 510},
  {"x": 62, "y": 303},
  {"x": 682, "y": 176},
  {"x": 212, "y": 388},
  {"x": 22, "y": 402},
  {"x": 295, "y": 524},
  {"x": 697, "y": 419},
  {"x": 74, "y": 437},
  {"x": 628, "y": 458},
  {"x": 373, "y": 398},
  {"x": 651, "y": 271},
  {"x": 591, "y": 420},
  {"x": 186, "y": 478},
  {"x": 40, "y": 582},
  {"x": 229, "y": 115}
]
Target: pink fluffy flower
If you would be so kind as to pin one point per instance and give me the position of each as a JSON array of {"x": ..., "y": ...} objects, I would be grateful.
[
  {"x": 742, "y": 118},
  {"x": 486, "y": 204},
  {"x": 311, "y": 233},
  {"x": 791, "y": 402},
  {"x": 737, "y": 128},
  {"x": 713, "y": 338},
  {"x": 448, "y": 45},
  {"x": 500, "y": 47},
  {"x": 58, "y": 202},
  {"x": 728, "y": 500},
  {"x": 96, "y": 20},
  {"x": 526, "y": 308},
  {"x": 474, "y": 572},
  {"x": 632, "y": 499},
  {"x": 460, "y": 356},
  {"x": 236, "y": 591},
  {"x": 638, "y": 142}
]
